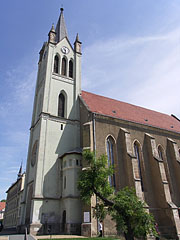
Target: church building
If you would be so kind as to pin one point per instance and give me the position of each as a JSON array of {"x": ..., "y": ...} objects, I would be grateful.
[{"x": 143, "y": 146}]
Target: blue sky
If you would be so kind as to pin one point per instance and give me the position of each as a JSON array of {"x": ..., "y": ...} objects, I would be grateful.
[{"x": 131, "y": 52}]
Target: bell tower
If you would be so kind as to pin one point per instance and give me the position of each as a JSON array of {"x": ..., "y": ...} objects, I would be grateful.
[{"x": 50, "y": 193}]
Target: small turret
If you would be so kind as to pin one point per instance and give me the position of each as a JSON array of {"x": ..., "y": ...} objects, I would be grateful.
[
  {"x": 52, "y": 35},
  {"x": 20, "y": 172},
  {"x": 77, "y": 45}
]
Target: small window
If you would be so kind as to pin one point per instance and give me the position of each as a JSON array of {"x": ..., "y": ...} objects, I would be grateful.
[
  {"x": 61, "y": 105},
  {"x": 64, "y": 67},
  {"x": 77, "y": 162},
  {"x": 64, "y": 182},
  {"x": 71, "y": 69},
  {"x": 61, "y": 126},
  {"x": 56, "y": 64},
  {"x": 179, "y": 152}
]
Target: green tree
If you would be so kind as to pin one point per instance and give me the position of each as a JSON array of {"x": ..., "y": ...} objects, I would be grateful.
[
  {"x": 3, "y": 200},
  {"x": 124, "y": 206}
]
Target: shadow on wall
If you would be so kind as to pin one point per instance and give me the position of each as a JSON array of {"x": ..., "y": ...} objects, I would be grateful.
[{"x": 155, "y": 196}]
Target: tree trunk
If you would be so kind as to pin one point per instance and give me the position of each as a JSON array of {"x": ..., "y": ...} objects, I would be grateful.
[{"x": 129, "y": 235}]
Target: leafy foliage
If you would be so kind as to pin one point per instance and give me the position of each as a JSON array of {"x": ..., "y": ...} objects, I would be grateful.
[
  {"x": 125, "y": 207},
  {"x": 95, "y": 177},
  {"x": 132, "y": 214}
]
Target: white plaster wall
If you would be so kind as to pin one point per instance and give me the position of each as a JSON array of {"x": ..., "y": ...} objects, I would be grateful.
[
  {"x": 35, "y": 136},
  {"x": 46, "y": 211},
  {"x": 58, "y": 85},
  {"x": 57, "y": 142},
  {"x": 73, "y": 210}
]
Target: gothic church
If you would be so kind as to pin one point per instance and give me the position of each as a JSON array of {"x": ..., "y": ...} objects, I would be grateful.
[{"x": 143, "y": 146}]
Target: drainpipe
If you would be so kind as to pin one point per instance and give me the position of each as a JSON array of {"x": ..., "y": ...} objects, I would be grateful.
[
  {"x": 94, "y": 149},
  {"x": 94, "y": 134}
]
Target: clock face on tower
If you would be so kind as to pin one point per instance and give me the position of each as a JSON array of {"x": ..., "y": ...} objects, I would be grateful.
[{"x": 65, "y": 50}]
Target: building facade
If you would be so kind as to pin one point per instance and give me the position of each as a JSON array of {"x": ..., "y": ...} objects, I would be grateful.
[
  {"x": 143, "y": 146},
  {"x": 2, "y": 210},
  {"x": 13, "y": 203}
]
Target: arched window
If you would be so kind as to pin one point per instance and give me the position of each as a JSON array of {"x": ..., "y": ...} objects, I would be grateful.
[
  {"x": 56, "y": 64},
  {"x": 63, "y": 69},
  {"x": 71, "y": 69},
  {"x": 61, "y": 105},
  {"x": 160, "y": 153},
  {"x": 137, "y": 155},
  {"x": 110, "y": 155}
]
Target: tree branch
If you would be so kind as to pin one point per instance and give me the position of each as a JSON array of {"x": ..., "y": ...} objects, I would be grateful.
[{"x": 105, "y": 200}]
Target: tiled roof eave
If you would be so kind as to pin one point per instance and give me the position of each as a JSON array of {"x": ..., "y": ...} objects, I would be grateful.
[{"x": 126, "y": 120}]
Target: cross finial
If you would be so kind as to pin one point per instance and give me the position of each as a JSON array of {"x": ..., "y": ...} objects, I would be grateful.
[{"x": 62, "y": 9}]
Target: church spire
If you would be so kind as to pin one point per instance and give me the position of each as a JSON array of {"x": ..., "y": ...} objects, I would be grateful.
[{"x": 61, "y": 30}]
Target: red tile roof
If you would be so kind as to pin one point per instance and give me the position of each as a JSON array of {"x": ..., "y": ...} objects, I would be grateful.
[
  {"x": 117, "y": 109},
  {"x": 2, "y": 205}
]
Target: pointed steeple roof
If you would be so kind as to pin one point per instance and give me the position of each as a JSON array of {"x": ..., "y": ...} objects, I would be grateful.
[
  {"x": 61, "y": 30},
  {"x": 20, "y": 171},
  {"x": 52, "y": 28}
]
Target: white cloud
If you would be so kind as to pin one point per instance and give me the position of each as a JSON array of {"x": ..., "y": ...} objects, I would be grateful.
[{"x": 142, "y": 70}]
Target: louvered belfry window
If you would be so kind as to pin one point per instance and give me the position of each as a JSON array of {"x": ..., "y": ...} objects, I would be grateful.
[
  {"x": 71, "y": 69},
  {"x": 61, "y": 105},
  {"x": 64, "y": 66},
  {"x": 56, "y": 64}
]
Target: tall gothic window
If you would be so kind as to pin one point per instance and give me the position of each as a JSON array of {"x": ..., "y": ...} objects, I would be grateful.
[
  {"x": 71, "y": 69},
  {"x": 160, "y": 153},
  {"x": 110, "y": 154},
  {"x": 61, "y": 105},
  {"x": 64, "y": 66},
  {"x": 56, "y": 64},
  {"x": 138, "y": 157}
]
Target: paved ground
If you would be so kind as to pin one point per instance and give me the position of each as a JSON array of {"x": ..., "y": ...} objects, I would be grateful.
[
  {"x": 4, "y": 238},
  {"x": 17, "y": 237},
  {"x": 57, "y": 236},
  {"x": 22, "y": 237}
]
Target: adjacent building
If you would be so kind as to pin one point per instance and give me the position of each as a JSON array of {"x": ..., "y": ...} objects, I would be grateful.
[
  {"x": 13, "y": 202},
  {"x": 2, "y": 210}
]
